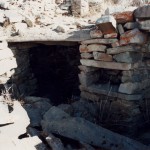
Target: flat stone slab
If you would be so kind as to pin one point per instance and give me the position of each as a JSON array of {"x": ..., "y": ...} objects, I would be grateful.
[
  {"x": 92, "y": 48},
  {"x": 128, "y": 57},
  {"x": 107, "y": 65},
  {"x": 122, "y": 49},
  {"x": 113, "y": 92},
  {"x": 99, "y": 41},
  {"x": 142, "y": 12}
]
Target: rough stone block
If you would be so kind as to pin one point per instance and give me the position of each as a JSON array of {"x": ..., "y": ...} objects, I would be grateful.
[
  {"x": 144, "y": 25},
  {"x": 96, "y": 33},
  {"x": 130, "y": 88},
  {"x": 87, "y": 69},
  {"x": 102, "y": 56},
  {"x": 107, "y": 24},
  {"x": 128, "y": 57},
  {"x": 86, "y": 55},
  {"x": 142, "y": 12},
  {"x": 107, "y": 65},
  {"x": 96, "y": 47},
  {"x": 89, "y": 78},
  {"x": 131, "y": 25},
  {"x": 83, "y": 48},
  {"x": 122, "y": 49},
  {"x": 20, "y": 27},
  {"x": 99, "y": 41},
  {"x": 133, "y": 37},
  {"x": 124, "y": 17}
]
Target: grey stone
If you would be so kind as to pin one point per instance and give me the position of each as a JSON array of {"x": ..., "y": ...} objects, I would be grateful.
[
  {"x": 142, "y": 12},
  {"x": 104, "y": 89},
  {"x": 87, "y": 69},
  {"x": 54, "y": 142},
  {"x": 131, "y": 25},
  {"x": 79, "y": 129},
  {"x": 55, "y": 113},
  {"x": 130, "y": 88},
  {"x": 36, "y": 107},
  {"x": 102, "y": 56},
  {"x": 122, "y": 49},
  {"x": 128, "y": 57},
  {"x": 120, "y": 29},
  {"x": 88, "y": 78},
  {"x": 66, "y": 108},
  {"x": 144, "y": 25},
  {"x": 86, "y": 55},
  {"x": 107, "y": 65}
]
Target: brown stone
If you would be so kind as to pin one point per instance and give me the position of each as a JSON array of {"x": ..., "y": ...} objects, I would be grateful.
[
  {"x": 124, "y": 17},
  {"x": 133, "y": 37},
  {"x": 115, "y": 44},
  {"x": 102, "y": 56},
  {"x": 83, "y": 48},
  {"x": 96, "y": 33},
  {"x": 111, "y": 35},
  {"x": 96, "y": 47}
]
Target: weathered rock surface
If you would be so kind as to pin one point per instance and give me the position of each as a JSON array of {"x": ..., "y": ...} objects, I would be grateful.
[
  {"x": 99, "y": 41},
  {"x": 122, "y": 49},
  {"x": 128, "y": 57},
  {"x": 106, "y": 65},
  {"x": 85, "y": 131},
  {"x": 96, "y": 33},
  {"x": 102, "y": 56},
  {"x": 124, "y": 17},
  {"x": 86, "y": 55},
  {"x": 133, "y": 37},
  {"x": 131, "y": 25},
  {"x": 144, "y": 25},
  {"x": 142, "y": 12},
  {"x": 36, "y": 107}
]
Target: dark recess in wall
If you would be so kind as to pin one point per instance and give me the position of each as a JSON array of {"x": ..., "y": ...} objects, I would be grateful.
[{"x": 56, "y": 70}]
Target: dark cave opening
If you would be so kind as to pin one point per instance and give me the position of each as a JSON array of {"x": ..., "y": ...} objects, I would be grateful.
[{"x": 56, "y": 69}]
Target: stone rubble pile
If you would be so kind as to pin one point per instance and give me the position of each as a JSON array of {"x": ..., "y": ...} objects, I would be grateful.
[{"x": 115, "y": 65}]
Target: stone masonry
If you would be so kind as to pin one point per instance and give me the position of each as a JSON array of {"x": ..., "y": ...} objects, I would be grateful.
[{"x": 115, "y": 70}]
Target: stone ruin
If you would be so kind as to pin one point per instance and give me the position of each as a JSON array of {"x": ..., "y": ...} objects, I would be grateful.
[{"x": 99, "y": 69}]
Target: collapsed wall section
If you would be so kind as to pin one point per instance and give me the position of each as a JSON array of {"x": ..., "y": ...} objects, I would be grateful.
[{"x": 115, "y": 69}]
